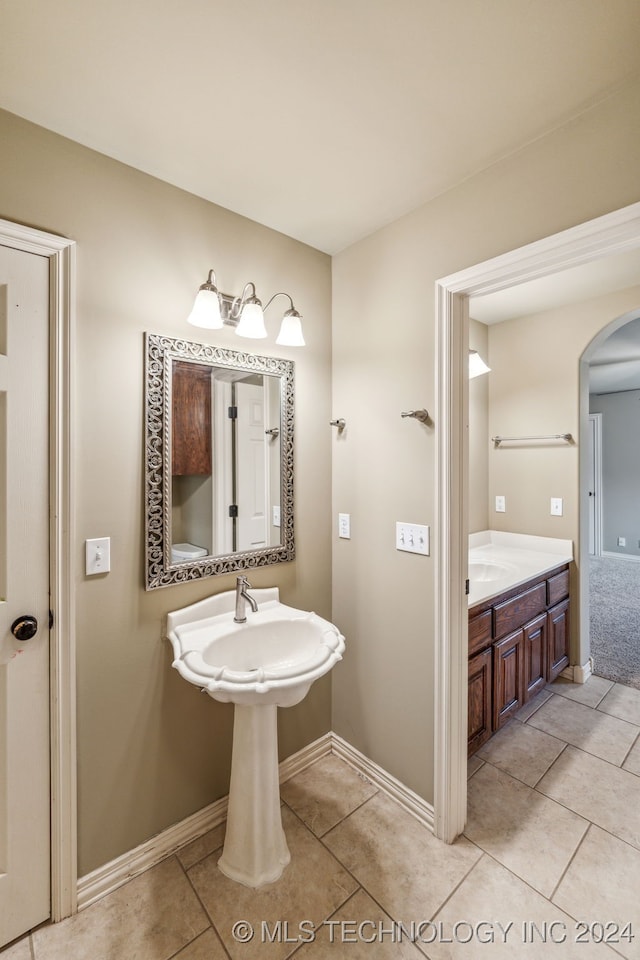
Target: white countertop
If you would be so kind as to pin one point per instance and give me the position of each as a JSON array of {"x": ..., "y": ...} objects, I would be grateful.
[{"x": 499, "y": 561}]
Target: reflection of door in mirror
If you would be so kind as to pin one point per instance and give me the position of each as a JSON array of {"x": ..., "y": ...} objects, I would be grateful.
[{"x": 251, "y": 466}]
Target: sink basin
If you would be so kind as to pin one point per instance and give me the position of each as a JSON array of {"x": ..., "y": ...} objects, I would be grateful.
[
  {"x": 273, "y": 658},
  {"x": 484, "y": 571},
  {"x": 269, "y": 661}
]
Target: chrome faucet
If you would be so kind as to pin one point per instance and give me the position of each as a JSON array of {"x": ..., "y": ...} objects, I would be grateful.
[{"x": 242, "y": 586}]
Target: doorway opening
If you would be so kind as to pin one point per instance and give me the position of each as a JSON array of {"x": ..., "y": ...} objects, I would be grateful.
[
  {"x": 594, "y": 240},
  {"x": 610, "y": 395}
]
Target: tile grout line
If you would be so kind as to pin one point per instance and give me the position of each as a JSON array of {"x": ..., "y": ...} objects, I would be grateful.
[
  {"x": 176, "y": 955},
  {"x": 338, "y": 823},
  {"x": 534, "y": 785},
  {"x": 200, "y": 859},
  {"x": 563, "y": 909},
  {"x": 616, "y": 766},
  {"x": 206, "y": 912},
  {"x": 629, "y": 751},
  {"x": 561, "y": 804},
  {"x": 588, "y": 752},
  {"x": 527, "y": 883},
  {"x": 332, "y": 914},
  {"x": 586, "y": 820},
  {"x": 595, "y": 710},
  {"x": 570, "y": 861},
  {"x": 462, "y": 880}
]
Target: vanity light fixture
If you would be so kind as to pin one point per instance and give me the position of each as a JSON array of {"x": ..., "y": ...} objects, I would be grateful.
[
  {"x": 212, "y": 309},
  {"x": 477, "y": 366}
]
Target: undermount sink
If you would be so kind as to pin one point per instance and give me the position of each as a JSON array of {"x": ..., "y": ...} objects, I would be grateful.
[
  {"x": 484, "y": 571},
  {"x": 267, "y": 662}
]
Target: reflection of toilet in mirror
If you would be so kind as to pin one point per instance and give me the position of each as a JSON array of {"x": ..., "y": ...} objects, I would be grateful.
[{"x": 186, "y": 551}]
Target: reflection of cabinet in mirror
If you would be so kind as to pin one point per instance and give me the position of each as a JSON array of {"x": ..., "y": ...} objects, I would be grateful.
[{"x": 191, "y": 411}]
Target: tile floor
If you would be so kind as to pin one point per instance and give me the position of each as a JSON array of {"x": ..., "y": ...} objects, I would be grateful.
[{"x": 550, "y": 856}]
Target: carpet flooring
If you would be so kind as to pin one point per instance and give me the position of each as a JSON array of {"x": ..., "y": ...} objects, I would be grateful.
[{"x": 614, "y": 611}]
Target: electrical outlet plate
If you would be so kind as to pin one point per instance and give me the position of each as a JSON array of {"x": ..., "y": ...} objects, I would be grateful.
[
  {"x": 412, "y": 538},
  {"x": 501, "y": 504}
]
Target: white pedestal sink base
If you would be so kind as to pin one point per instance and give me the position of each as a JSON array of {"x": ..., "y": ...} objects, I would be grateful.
[{"x": 255, "y": 848}]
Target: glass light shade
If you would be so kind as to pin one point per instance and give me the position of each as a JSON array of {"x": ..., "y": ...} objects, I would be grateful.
[
  {"x": 291, "y": 331},
  {"x": 252, "y": 322},
  {"x": 477, "y": 366},
  {"x": 206, "y": 310}
]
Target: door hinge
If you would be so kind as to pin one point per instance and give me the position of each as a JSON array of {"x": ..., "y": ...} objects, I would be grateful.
[
  {"x": 232, "y": 413},
  {"x": 50, "y": 619},
  {"x": 466, "y": 587},
  {"x": 233, "y": 510}
]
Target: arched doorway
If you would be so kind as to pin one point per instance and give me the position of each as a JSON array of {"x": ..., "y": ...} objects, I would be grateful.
[{"x": 610, "y": 479}]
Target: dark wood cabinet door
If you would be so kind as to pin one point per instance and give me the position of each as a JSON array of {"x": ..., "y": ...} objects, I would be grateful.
[
  {"x": 508, "y": 677},
  {"x": 191, "y": 419},
  {"x": 535, "y": 656},
  {"x": 558, "y": 639},
  {"x": 480, "y": 720}
]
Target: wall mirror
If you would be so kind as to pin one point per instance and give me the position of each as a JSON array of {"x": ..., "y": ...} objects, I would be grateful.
[{"x": 219, "y": 460}]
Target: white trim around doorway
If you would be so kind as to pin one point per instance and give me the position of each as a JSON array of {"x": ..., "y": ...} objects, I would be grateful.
[
  {"x": 61, "y": 255},
  {"x": 612, "y": 233}
]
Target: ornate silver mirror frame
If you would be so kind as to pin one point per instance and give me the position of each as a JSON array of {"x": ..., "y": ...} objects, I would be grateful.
[{"x": 161, "y": 352}]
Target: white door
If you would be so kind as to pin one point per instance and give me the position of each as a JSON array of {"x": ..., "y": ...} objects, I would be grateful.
[
  {"x": 24, "y": 593},
  {"x": 251, "y": 466},
  {"x": 595, "y": 484}
]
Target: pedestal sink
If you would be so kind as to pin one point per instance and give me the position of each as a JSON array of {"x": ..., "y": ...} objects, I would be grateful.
[{"x": 269, "y": 661}]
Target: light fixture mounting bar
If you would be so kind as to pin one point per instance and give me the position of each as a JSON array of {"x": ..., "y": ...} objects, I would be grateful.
[{"x": 226, "y": 309}]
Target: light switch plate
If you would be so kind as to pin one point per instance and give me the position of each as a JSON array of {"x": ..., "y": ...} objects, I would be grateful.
[
  {"x": 344, "y": 526},
  {"x": 556, "y": 506},
  {"x": 275, "y": 519},
  {"x": 98, "y": 556},
  {"x": 412, "y": 538}
]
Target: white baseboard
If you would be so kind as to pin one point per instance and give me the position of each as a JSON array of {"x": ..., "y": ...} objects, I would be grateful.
[
  {"x": 620, "y": 556},
  {"x": 578, "y": 673},
  {"x": 107, "y": 878},
  {"x": 406, "y": 798},
  {"x": 114, "y": 874}
]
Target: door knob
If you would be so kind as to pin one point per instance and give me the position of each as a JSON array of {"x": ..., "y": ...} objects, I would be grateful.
[{"x": 25, "y": 627}]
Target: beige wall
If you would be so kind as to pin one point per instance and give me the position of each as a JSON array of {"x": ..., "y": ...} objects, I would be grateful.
[
  {"x": 534, "y": 389},
  {"x": 152, "y": 749},
  {"x": 383, "y": 362}
]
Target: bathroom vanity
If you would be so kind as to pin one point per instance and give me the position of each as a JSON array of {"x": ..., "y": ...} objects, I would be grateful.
[{"x": 519, "y": 617}]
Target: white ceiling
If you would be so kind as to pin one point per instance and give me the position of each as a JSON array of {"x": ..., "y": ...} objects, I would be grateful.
[
  {"x": 574, "y": 285},
  {"x": 324, "y": 119},
  {"x": 615, "y": 366}
]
